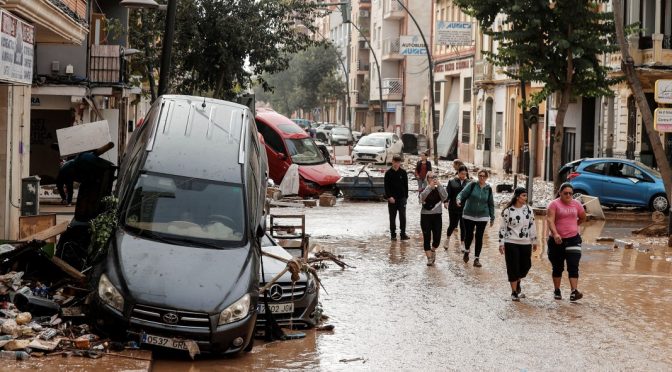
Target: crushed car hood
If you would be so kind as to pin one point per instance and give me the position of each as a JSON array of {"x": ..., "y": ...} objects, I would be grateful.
[
  {"x": 322, "y": 174},
  {"x": 181, "y": 277}
]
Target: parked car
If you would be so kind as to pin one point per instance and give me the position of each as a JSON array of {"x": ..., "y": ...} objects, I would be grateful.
[
  {"x": 286, "y": 144},
  {"x": 341, "y": 136},
  {"x": 183, "y": 263},
  {"x": 617, "y": 182},
  {"x": 323, "y": 132},
  {"x": 305, "y": 124},
  {"x": 290, "y": 304},
  {"x": 377, "y": 148}
]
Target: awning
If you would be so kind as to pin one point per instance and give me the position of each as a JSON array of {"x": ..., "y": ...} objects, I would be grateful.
[{"x": 447, "y": 139}]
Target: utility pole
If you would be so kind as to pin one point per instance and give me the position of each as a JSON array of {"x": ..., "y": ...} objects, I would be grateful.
[
  {"x": 435, "y": 129},
  {"x": 166, "y": 51}
]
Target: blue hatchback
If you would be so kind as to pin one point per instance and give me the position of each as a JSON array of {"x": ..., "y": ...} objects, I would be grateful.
[{"x": 617, "y": 182}]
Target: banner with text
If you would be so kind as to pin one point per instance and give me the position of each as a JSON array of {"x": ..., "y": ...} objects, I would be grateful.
[
  {"x": 411, "y": 45},
  {"x": 454, "y": 33},
  {"x": 17, "y": 40}
]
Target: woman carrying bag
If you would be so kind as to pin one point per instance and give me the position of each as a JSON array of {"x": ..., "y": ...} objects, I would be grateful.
[
  {"x": 517, "y": 240},
  {"x": 431, "y": 222},
  {"x": 479, "y": 208}
]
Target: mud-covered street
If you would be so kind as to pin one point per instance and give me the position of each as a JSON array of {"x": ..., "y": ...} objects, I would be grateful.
[{"x": 392, "y": 312}]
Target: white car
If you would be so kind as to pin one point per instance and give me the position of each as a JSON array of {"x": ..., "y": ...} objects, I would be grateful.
[{"x": 377, "y": 148}]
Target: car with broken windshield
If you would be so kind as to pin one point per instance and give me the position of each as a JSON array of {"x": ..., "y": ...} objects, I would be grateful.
[{"x": 182, "y": 268}]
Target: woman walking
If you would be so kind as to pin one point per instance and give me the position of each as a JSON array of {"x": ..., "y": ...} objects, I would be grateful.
[
  {"x": 456, "y": 185},
  {"x": 517, "y": 240},
  {"x": 421, "y": 168},
  {"x": 479, "y": 208},
  {"x": 430, "y": 216},
  {"x": 564, "y": 244}
]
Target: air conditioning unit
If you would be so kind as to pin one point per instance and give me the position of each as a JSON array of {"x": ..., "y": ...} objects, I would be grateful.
[{"x": 364, "y": 13}]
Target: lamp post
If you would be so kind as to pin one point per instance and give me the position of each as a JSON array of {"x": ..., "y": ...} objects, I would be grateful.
[
  {"x": 435, "y": 130},
  {"x": 168, "y": 36}
]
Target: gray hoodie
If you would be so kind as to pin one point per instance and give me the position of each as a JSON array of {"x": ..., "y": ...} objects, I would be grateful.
[{"x": 437, "y": 208}]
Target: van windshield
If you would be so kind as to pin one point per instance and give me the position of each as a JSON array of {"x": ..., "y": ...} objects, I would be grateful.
[
  {"x": 303, "y": 151},
  {"x": 186, "y": 210}
]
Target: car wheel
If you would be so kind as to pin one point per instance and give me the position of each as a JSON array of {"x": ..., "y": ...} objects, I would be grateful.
[{"x": 659, "y": 203}]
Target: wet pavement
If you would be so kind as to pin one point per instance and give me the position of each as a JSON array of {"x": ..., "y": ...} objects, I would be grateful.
[{"x": 392, "y": 312}]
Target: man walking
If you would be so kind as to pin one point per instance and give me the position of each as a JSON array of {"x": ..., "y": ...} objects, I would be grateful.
[{"x": 396, "y": 193}]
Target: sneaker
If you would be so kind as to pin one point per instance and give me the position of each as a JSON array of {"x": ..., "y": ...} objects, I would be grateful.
[
  {"x": 519, "y": 291},
  {"x": 576, "y": 295},
  {"x": 405, "y": 237},
  {"x": 430, "y": 261},
  {"x": 557, "y": 295},
  {"x": 393, "y": 237},
  {"x": 514, "y": 296},
  {"x": 462, "y": 248},
  {"x": 477, "y": 262},
  {"x": 466, "y": 256},
  {"x": 447, "y": 244},
  {"x": 433, "y": 257}
]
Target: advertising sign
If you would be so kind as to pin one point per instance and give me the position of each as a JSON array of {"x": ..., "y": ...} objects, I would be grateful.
[
  {"x": 662, "y": 120},
  {"x": 17, "y": 39},
  {"x": 411, "y": 45},
  {"x": 454, "y": 33},
  {"x": 664, "y": 91}
]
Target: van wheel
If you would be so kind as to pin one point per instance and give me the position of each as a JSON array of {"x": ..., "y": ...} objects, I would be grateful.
[{"x": 659, "y": 203}]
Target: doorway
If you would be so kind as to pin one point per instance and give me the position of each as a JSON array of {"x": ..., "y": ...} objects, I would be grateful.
[{"x": 487, "y": 138}]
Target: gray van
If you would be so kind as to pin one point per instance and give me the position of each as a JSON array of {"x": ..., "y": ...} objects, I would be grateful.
[{"x": 183, "y": 265}]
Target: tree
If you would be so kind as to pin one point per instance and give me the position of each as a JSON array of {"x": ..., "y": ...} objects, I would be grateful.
[
  {"x": 220, "y": 44},
  {"x": 557, "y": 43},
  {"x": 628, "y": 68},
  {"x": 309, "y": 79}
]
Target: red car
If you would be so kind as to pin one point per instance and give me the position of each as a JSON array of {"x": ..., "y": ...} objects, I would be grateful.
[{"x": 287, "y": 144}]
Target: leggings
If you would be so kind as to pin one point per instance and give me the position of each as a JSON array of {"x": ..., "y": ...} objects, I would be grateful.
[
  {"x": 431, "y": 225},
  {"x": 480, "y": 229},
  {"x": 569, "y": 250},
  {"x": 518, "y": 260},
  {"x": 455, "y": 217}
]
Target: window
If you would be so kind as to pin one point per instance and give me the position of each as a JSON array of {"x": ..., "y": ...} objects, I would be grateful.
[
  {"x": 437, "y": 92},
  {"x": 499, "y": 119},
  {"x": 304, "y": 151},
  {"x": 466, "y": 126},
  {"x": 467, "y": 90},
  {"x": 596, "y": 168},
  {"x": 271, "y": 138}
]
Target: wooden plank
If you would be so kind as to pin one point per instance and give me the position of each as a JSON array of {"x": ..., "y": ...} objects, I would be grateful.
[
  {"x": 68, "y": 269},
  {"x": 48, "y": 233},
  {"x": 31, "y": 225}
]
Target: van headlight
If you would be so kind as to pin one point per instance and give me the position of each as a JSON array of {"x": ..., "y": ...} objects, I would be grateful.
[
  {"x": 237, "y": 311},
  {"x": 381, "y": 152},
  {"x": 109, "y": 294},
  {"x": 312, "y": 286}
]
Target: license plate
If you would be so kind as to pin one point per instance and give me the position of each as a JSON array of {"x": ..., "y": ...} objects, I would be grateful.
[
  {"x": 276, "y": 308},
  {"x": 173, "y": 343}
]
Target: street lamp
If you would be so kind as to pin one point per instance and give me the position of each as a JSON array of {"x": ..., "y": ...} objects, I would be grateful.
[
  {"x": 168, "y": 36},
  {"x": 435, "y": 130}
]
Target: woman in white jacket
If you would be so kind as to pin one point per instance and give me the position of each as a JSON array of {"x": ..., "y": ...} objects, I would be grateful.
[{"x": 517, "y": 240}]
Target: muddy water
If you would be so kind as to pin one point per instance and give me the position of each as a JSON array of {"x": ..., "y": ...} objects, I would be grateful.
[{"x": 392, "y": 312}]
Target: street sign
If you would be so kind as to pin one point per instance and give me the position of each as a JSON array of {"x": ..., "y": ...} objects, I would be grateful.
[
  {"x": 454, "y": 33},
  {"x": 662, "y": 120},
  {"x": 411, "y": 45},
  {"x": 663, "y": 91}
]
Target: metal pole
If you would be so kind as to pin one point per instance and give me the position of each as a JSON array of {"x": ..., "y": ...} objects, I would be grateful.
[
  {"x": 380, "y": 80},
  {"x": 435, "y": 130},
  {"x": 168, "y": 36}
]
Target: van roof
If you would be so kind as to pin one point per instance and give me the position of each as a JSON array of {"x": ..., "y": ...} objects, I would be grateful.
[
  {"x": 281, "y": 124},
  {"x": 194, "y": 141}
]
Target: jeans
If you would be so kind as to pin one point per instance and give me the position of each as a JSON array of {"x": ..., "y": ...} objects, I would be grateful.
[
  {"x": 398, "y": 206},
  {"x": 431, "y": 225},
  {"x": 455, "y": 217},
  {"x": 480, "y": 230}
]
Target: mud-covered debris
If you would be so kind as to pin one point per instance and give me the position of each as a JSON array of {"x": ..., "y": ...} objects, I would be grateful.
[
  {"x": 605, "y": 239},
  {"x": 326, "y": 327}
]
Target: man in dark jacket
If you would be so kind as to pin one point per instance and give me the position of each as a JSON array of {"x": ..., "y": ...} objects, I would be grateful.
[{"x": 396, "y": 193}]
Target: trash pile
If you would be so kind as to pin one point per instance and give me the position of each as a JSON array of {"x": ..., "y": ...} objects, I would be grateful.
[{"x": 42, "y": 306}]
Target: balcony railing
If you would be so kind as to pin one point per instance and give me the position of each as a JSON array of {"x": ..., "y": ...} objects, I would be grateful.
[
  {"x": 482, "y": 71},
  {"x": 392, "y": 10},
  {"x": 362, "y": 67},
  {"x": 652, "y": 50},
  {"x": 391, "y": 48},
  {"x": 392, "y": 88}
]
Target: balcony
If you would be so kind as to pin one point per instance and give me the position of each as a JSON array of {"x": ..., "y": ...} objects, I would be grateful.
[
  {"x": 105, "y": 64},
  {"x": 393, "y": 11},
  {"x": 360, "y": 101},
  {"x": 652, "y": 50},
  {"x": 391, "y": 49},
  {"x": 55, "y": 21},
  {"x": 392, "y": 89},
  {"x": 362, "y": 67},
  {"x": 482, "y": 72}
]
